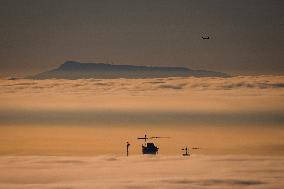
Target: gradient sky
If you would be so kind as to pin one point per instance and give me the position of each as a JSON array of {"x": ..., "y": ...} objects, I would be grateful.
[{"x": 247, "y": 36}]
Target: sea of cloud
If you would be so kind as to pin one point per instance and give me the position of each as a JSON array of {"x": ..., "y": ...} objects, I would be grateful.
[
  {"x": 189, "y": 102},
  {"x": 138, "y": 86},
  {"x": 255, "y": 99},
  {"x": 196, "y": 172},
  {"x": 252, "y": 107}
]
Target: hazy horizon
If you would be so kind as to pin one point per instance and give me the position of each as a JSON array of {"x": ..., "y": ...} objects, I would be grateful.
[{"x": 31, "y": 74}]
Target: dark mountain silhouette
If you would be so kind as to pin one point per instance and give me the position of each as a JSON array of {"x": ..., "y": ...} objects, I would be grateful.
[{"x": 77, "y": 70}]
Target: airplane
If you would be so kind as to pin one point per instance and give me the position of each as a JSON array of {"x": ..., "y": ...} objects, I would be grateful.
[{"x": 207, "y": 37}]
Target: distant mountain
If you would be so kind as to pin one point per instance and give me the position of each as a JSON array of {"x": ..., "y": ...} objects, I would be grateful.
[{"x": 77, "y": 70}]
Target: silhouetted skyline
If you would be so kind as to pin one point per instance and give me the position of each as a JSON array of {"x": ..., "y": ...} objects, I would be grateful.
[{"x": 246, "y": 36}]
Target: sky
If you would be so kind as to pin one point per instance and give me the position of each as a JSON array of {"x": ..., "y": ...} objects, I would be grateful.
[{"x": 246, "y": 36}]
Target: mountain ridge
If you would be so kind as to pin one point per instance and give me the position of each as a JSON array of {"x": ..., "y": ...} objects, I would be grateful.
[{"x": 78, "y": 70}]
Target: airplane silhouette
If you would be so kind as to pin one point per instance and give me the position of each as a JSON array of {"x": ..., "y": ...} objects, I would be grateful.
[{"x": 207, "y": 37}]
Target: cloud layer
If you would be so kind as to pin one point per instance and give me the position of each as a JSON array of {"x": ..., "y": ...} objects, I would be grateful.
[
  {"x": 51, "y": 172},
  {"x": 183, "y": 106},
  {"x": 257, "y": 100},
  {"x": 141, "y": 85}
]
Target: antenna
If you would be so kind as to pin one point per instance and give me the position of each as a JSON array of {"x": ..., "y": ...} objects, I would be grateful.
[
  {"x": 127, "y": 147},
  {"x": 186, "y": 151},
  {"x": 195, "y": 148},
  {"x": 158, "y": 137},
  {"x": 145, "y": 138}
]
